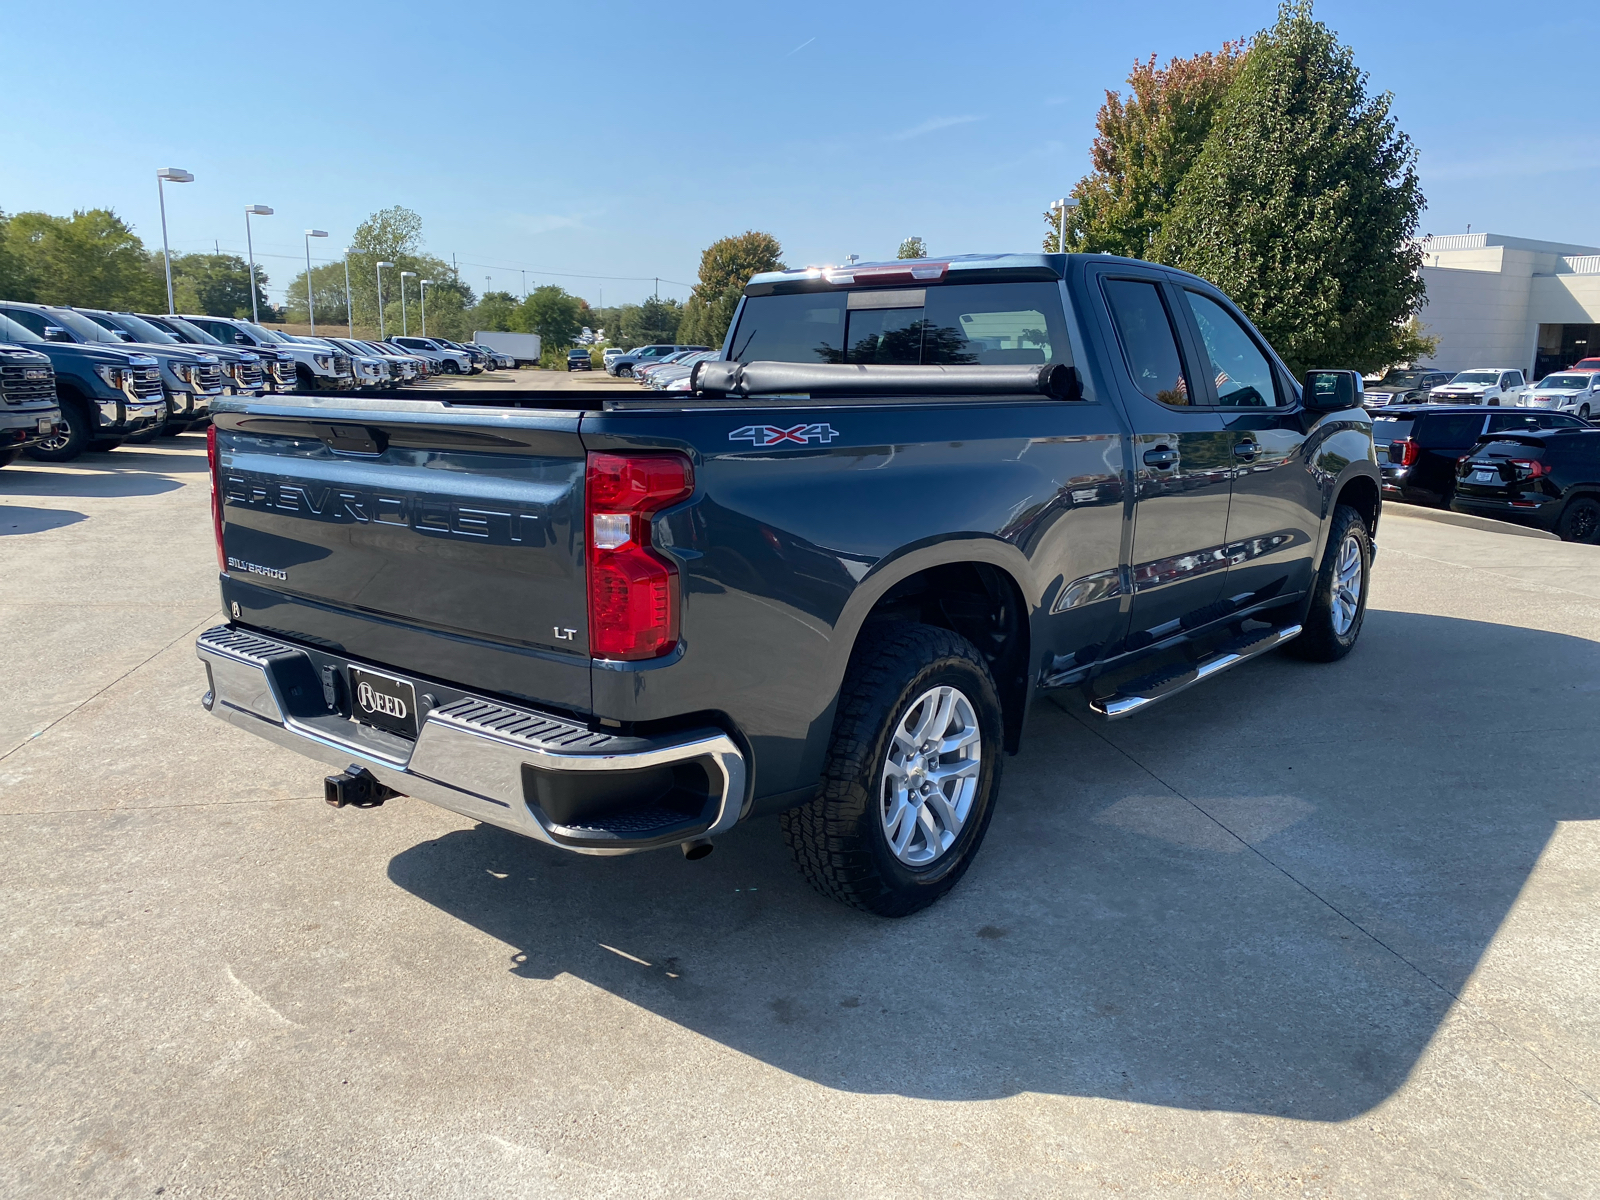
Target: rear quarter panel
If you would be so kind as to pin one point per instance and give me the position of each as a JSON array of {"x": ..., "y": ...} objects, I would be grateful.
[{"x": 785, "y": 548}]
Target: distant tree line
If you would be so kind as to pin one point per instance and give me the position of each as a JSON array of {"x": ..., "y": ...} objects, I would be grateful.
[
  {"x": 1270, "y": 170},
  {"x": 93, "y": 259}
]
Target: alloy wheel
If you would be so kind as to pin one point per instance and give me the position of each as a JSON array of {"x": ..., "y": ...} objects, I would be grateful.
[
  {"x": 930, "y": 775},
  {"x": 1347, "y": 583}
]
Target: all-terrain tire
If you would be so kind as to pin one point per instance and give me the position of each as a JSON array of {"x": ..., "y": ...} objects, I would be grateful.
[
  {"x": 839, "y": 838},
  {"x": 1334, "y": 620},
  {"x": 1580, "y": 521}
]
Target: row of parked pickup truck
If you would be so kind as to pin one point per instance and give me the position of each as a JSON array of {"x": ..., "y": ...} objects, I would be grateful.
[{"x": 72, "y": 379}]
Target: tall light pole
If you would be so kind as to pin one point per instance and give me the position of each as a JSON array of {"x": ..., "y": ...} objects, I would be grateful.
[
  {"x": 524, "y": 285},
  {"x": 253, "y": 210},
  {"x": 1060, "y": 207},
  {"x": 165, "y": 176},
  {"x": 425, "y": 284},
  {"x": 404, "y": 275},
  {"x": 383, "y": 332},
  {"x": 311, "y": 309},
  {"x": 349, "y": 308}
]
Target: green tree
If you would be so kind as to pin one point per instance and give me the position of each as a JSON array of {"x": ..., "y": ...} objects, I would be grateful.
[
  {"x": 912, "y": 247},
  {"x": 554, "y": 314},
  {"x": 655, "y": 320},
  {"x": 1144, "y": 146},
  {"x": 725, "y": 267},
  {"x": 14, "y": 284},
  {"x": 392, "y": 235},
  {"x": 217, "y": 285},
  {"x": 1303, "y": 204},
  {"x": 496, "y": 310},
  {"x": 92, "y": 258}
]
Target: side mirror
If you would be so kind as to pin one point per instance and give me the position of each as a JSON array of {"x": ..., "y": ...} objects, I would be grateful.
[
  {"x": 1331, "y": 391},
  {"x": 54, "y": 333},
  {"x": 239, "y": 339}
]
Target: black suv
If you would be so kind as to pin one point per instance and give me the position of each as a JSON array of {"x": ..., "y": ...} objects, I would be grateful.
[
  {"x": 1549, "y": 479},
  {"x": 1403, "y": 387},
  {"x": 1419, "y": 444},
  {"x": 579, "y": 360}
]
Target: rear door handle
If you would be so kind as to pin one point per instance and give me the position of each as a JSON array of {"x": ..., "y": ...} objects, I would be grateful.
[
  {"x": 1161, "y": 457},
  {"x": 1246, "y": 450}
]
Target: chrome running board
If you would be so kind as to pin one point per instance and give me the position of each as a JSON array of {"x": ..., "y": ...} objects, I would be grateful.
[{"x": 1142, "y": 693}]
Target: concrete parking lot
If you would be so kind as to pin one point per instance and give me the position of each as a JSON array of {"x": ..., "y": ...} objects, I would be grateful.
[{"x": 1308, "y": 930}]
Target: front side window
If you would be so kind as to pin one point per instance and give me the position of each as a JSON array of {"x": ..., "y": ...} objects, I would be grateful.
[
  {"x": 1149, "y": 341},
  {"x": 27, "y": 318},
  {"x": 1242, "y": 374}
]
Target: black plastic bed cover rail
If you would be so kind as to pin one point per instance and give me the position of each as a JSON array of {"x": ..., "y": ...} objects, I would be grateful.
[{"x": 717, "y": 378}]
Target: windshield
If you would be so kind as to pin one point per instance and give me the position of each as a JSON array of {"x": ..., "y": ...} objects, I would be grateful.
[
  {"x": 261, "y": 333},
  {"x": 1401, "y": 379},
  {"x": 10, "y": 331},
  {"x": 81, "y": 325},
  {"x": 142, "y": 329},
  {"x": 1489, "y": 377},
  {"x": 1567, "y": 379},
  {"x": 191, "y": 331}
]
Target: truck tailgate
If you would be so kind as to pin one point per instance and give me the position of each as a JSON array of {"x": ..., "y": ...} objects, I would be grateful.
[{"x": 448, "y": 541}]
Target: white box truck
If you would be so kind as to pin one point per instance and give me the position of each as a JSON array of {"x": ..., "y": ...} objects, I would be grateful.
[{"x": 523, "y": 347}]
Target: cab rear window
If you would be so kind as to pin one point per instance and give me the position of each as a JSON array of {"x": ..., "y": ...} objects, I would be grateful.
[{"x": 986, "y": 324}]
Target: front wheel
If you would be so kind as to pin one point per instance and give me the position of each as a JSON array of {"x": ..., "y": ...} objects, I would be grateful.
[
  {"x": 911, "y": 775},
  {"x": 66, "y": 443},
  {"x": 451, "y": 367},
  {"x": 1583, "y": 412},
  {"x": 1580, "y": 521},
  {"x": 1339, "y": 598}
]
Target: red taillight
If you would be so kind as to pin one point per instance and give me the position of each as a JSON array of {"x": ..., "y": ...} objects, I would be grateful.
[
  {"x": 1529, "y": 468},
  {"x": 633, "y": 591},
  {"x": 1404, "y": 452},
  {"x": 215, "y": 459}
]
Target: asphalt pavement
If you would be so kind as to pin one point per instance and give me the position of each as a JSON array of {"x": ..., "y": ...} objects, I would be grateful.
[{"x": 1308, "y": 930}]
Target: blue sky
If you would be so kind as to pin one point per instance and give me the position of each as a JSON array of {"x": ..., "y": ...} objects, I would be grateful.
[{"x": 585, "y": 140}]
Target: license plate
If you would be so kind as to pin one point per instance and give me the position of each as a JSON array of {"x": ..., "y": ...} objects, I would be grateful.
[
  {"x": 1484, "y": 476},
  {"x": 46, "y": 424},
  {"x": 384, "y": 702}
]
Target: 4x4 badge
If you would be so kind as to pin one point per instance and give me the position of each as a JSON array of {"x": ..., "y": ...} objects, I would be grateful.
[{"x": 772, "y": 435}]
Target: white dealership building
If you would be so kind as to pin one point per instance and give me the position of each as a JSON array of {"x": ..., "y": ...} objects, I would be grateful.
[{"x": 1496, "y": 301}]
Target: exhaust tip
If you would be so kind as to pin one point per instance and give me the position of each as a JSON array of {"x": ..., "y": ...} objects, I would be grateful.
[{"x": 697, "y": 849}]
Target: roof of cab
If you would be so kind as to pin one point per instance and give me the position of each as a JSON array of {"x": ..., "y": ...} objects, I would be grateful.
[{"x": 913, "y": 271}]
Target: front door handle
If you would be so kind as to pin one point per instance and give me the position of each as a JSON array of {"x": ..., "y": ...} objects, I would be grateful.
[
  {"x": 1161, "y": 457},
  {"x": 1246, "y": 450}
]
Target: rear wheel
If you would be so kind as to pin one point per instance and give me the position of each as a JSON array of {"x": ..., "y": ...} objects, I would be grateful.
[
  {"x": 911, "y": 775},
  {"x": 1580, "y": 521},
  {"x": 65, "y": 444},
  {"x": 1339, "y": 598}
]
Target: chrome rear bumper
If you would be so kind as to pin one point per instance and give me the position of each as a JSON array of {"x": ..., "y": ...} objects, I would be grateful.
[{"x": 485, "y": 759}]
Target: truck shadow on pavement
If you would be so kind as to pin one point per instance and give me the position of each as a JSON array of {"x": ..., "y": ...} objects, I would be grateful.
[
  {"x": 102, "y": 474},
  {"x": 1263, "y": 897}
]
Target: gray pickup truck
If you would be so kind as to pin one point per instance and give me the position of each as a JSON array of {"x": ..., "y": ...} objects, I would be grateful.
[{"x": 827, "y": 582}]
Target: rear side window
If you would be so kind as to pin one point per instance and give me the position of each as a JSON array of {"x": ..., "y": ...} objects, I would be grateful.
[
  {"x": 1457, "y": 430},
  {"x": 1149, "y": 341},
  {"x": 1390, "y": 429},
  {"x": 1501, "y": 422},
  {"x": 1242, "y": 374},
  {"x": 983, "y": 323}
]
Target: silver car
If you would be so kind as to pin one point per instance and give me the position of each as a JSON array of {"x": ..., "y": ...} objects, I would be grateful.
[{"x": 1575, "y": 392}]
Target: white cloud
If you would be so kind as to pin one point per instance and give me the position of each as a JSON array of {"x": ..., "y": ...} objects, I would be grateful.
[{"x": 932, "y": 126}]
